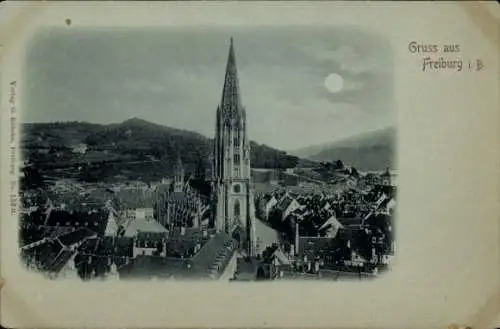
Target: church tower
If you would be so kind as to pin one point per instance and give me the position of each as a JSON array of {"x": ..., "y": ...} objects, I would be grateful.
[
  {"x": 231, "y": 161},
  {"x": 178, "y": 176}
]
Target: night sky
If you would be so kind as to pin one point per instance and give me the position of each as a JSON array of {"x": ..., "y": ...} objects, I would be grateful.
[{"x": 174, "y": 77}]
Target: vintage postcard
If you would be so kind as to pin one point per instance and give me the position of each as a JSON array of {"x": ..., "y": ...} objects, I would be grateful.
[{"x": 249, "y": 164}]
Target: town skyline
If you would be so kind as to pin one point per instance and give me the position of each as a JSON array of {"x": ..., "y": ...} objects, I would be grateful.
[
  {"x": 91, "y": 216},
  {"x": 278, "y": 102}
]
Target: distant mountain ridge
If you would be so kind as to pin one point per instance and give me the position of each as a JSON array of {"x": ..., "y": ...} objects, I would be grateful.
[{"x": 373, "y": 150}]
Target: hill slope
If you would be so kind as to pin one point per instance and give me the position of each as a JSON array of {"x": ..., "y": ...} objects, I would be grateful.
[
  {"x": 135, "y": 146},
  {"x": 369, "y": 151}
]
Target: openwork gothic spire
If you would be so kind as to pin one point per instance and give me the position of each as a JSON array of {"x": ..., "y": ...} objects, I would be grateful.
[{"x": 231, "y": 103}]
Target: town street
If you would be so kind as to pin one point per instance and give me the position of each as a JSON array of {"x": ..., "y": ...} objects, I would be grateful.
[
  {"x": 265, "y": 236},
  {"x": 230, "y": 268}
]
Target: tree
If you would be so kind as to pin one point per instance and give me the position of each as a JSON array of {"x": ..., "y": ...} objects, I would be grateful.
[
  {"x": 159, "y": 247},
  {"x": 261, "y": 275},
  {"x": 200, "y": 169},
  {"x": 338, "y": 164},
  {"x": 92, "y": 174},
  {"x": 83, "y": 267},
  {"x": 101, "y": 266},
  {"x": 32, "y": 178}
]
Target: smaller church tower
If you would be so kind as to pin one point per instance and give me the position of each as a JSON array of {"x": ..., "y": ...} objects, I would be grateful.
[{"x": 179, "y": 175}]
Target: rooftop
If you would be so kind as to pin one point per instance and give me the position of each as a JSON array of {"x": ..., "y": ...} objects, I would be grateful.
[
  {"x": 331, "y": 222},
  {"x": 60, "y": 261},
  {"x": 75, "y": 237},
  {"x": 313, "y": 247},
  {"x": 96, "y": 221},
  {"x": 133, "y": 198},
  {"x": 143, "y": 225},
  {"x": 284, "y": 203},
  {"x": 160, "y": 267}
]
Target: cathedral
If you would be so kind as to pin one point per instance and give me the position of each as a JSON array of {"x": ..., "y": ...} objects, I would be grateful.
[
  {"x": 234, "y": 210},
  {"x": 178, "y": 205}
]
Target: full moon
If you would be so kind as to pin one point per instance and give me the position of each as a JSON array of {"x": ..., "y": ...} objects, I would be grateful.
[{"x": 334, "y": 83}]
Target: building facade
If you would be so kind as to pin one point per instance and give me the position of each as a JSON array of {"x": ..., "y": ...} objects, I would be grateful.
[
  {"x": 178, "y": 206},
  {"x": 231, "y": 162}
]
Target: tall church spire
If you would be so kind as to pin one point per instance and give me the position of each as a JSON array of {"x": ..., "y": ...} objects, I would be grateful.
[
  {"x": 231, "y": 103},
  {"x": 232, "y": 194}
]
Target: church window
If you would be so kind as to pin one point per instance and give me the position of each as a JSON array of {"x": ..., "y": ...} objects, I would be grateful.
[
  {"x": 236, "y": 139},
  {"x": 236, "y": 188},
  {"x": 237, "y": 208},
  {"x": 236, "y": 158}
]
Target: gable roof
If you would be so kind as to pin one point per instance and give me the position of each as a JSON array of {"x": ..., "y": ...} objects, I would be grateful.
[
  {"x": 351, "y": 222},
  {"x": 384, "y": 203},
  {"x": 143, "y": 225},
  {"x": 75, "y": 237},
  {"x": 277, "y": 253},
  {"x": 284, "y": 203},
  {"x": 331, "y": 222},
  {"x": 111, "y": 227}
]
